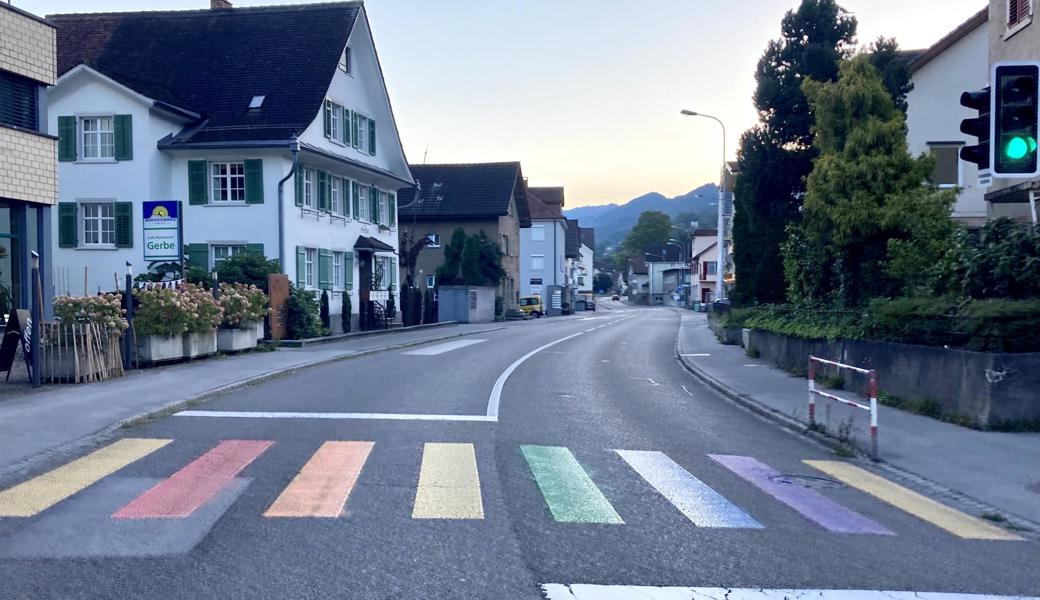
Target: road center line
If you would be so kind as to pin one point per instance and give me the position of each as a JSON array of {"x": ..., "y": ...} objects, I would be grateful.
[{"x": 496, "y": 392}]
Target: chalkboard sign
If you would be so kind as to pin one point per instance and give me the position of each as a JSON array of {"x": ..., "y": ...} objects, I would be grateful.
[{"x": 17, "y": 333}]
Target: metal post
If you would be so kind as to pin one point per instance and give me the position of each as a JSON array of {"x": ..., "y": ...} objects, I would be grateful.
[
  {"x": 128, "y": 302},
  {"x": 812, "y": 392},
  {"x": 216, "y": 285},
  {"x": 873, "y": 415},
  {"x": 37, "y": 313}
]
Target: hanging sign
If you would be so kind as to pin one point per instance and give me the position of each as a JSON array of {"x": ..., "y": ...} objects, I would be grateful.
[{"x": 161, "y": 231}]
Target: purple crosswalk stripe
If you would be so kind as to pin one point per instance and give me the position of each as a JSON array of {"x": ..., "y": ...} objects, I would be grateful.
[{"x": 811, "y": 504}]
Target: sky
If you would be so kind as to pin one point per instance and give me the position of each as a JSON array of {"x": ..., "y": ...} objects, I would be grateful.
[{"x": 585, "y": 94}]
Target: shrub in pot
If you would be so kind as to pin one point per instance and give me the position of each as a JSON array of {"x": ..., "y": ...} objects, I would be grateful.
[
  {"x": 344, "y": 316},
  {"x": 205, "y": 314},
  {"x": 302, "y": 314},
  {"x": 244, "y": 309},
  {"x": 160, "y": 320}
]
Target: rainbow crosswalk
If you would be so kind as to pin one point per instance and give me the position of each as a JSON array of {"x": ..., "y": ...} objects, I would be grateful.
[{"x": 449, "y": 487}]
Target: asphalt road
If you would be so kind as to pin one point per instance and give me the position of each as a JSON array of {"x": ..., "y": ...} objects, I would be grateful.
[{"x": 454, "y": 501}]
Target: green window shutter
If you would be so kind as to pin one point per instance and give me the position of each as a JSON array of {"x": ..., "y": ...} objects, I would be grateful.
[
  {"x": 198, "y": 188},
  {"x": 345, "y": 130},
  {"x": 328, "y": 118},
  {"x": 373, "y": 204},
  {"x": 298, "y": 176},
  {"x": 323, "y": 190},
  {"x": 393, "y": 272},
  {"x": 371, "y": 137},
  {"x": 123, "y": 130},
  {"x": 325, "y": 269},
  {"x": 354, "y": 125},
  {"x": 124, "y": 214},
  {"x": 256, "y": 249},
  {"x": 348, "y": 268},
  {"x": 301, "y": 266},
  {"x": 392, "y": 209},
  {"x": 66, "y": 139},
  {"x": 254, "y": 181},
  {"x": 198, "y": 255},
  {"x": 344, "y": 201},
  {"x": 355, "y": 195},
  {"x": 68, "y": 227}
]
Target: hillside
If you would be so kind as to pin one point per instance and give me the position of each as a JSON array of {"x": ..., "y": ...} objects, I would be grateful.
[{"x": 613, "y": 221}]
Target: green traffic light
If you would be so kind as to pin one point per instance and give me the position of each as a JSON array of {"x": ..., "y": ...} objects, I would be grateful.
[{"x": 1017, "y": 148}]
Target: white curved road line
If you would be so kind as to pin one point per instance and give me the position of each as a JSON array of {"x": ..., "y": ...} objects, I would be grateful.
[{"x": 496, "y": 392}]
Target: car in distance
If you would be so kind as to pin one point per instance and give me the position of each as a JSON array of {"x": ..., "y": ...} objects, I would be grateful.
[{"x": 532, "y": 305}]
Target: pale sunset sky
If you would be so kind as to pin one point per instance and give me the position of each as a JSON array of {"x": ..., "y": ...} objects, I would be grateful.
[{"x": 586, "y": 94}]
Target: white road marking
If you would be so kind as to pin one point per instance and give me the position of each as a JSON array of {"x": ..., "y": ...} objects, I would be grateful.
[
  {"x": 687, "y": 391},
  {"x": 244, "y": 414},
  {"x": 695, "y": 354},
  {"x": 442, "y": 348},
  {"x": 652, "y": 382},
  {"x": 588, "y": 330},
  {"x": 555, "y": 591},
  {"x": 496, "y": 392},
  {"x": 751, "y": 365}
]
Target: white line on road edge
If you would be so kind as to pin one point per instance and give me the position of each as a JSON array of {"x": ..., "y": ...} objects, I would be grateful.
[
  {"x": 687, "y": 391},
  {"x": 555, "y": 591},
  {"x": 496, "y": 392},
  {"x": 233, "y": 414},
  {"x": 694, "y": 355}
]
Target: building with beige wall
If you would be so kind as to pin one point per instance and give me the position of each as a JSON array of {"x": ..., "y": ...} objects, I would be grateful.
[{"x": 28, "y": 159}]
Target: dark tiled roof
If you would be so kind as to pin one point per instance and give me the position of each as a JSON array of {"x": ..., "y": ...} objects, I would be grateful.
[
  {"x": 213, "y": 62},
  {"x": 570, "y": 241},
  {"x": 549, "y": 195},
  {"x": 539, "y": 209},
  {"x": 587, "y": 236},
  {"x": 705, "y": 233},
  {"x": 466, "y": 191},
  {"x": 977, "y": 20},
  {"x": 638, "y": 264}
]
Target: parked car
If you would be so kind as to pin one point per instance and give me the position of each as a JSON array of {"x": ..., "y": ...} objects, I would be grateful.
[
  {"x": 590, "y": 303},
  {"x": 532, "y": 305},
  {"x": 615, "y": 297}
]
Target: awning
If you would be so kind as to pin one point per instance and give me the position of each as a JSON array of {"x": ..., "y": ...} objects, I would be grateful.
[{"x": 371, "y": 244}]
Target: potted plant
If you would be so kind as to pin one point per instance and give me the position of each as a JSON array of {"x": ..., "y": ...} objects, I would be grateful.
[
  {"x": 204, "y": 315},
  {"x": 244, "y": 309},
  {"x": 160, "y": 320},
  {"x": 103, "y": 317}
]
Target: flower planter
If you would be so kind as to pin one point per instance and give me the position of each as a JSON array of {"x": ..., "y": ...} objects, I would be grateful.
[
  {"x": 159, "y": 348},
  {"x": 199, "y": 343},
  {"x": 236, "y": 340},
  {"x": 259, "y": 330}
]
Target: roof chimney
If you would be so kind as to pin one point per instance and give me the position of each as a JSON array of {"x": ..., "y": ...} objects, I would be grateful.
[{"x": 219, "y": 4}]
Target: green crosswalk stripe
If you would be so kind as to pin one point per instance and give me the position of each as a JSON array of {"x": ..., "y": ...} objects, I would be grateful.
[{"x": 570, "y": 493}]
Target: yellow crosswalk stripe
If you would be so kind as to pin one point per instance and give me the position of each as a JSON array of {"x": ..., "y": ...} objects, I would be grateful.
[
  {"x": 449, "y": 487},
  {"x": 936, "y": 513},
  {"x": 40, "y": 493}
]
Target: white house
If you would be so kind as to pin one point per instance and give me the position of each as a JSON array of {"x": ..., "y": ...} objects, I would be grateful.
[
  {"x": 583, "y": 266},
  {"x": 270, "y": 141},
  {"x": 956, "y": 63},
  {"x": 704, "y": 260},
  {"x": 542, "y": 245}
]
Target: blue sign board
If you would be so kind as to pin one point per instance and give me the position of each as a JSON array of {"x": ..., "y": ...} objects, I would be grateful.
[{"x": 162, "y": 240}]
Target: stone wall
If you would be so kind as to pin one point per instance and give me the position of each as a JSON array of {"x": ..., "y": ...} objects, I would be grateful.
[
  {"x": 27, "y": 45},
  {"x": 29, "y": 164}
]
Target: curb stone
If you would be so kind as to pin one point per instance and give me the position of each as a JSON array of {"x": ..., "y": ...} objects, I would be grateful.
[
  {"x": 30, "y": 463},
  {"x": 1021, "y": 526}
]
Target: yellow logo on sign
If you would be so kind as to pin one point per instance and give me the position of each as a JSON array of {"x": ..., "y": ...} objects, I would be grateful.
[{"x": 160, "y": 211}]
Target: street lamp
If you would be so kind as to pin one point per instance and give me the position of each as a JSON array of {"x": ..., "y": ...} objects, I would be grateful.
[{"x": 721, "y": 267}]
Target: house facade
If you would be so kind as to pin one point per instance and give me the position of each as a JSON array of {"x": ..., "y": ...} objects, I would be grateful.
[
  {"x": 957, "y": 62},
  {"x": 542, "y": 245},
  {"x": 704, "y": 255},
  {"x": 480, "y": 197},
  {"x": 28, "y": 169},
  {"x": 584, "y": 271},
  {"x": 1013, "y": 36},
  {"x": 301, "y": 167}
]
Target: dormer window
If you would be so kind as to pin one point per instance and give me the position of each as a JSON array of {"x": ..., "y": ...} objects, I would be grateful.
[
  {"x": 344, "y": 62},
  {"x": 256, "y": 102}
]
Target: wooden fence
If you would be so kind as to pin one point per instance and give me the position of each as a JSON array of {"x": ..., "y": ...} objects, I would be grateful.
[{"x": 79, "y": 353}]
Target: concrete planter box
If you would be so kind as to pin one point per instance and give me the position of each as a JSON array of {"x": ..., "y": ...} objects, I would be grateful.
[
  {"x": 235, "y": 339},
  {"x": 259, "y": 330},
  {"x": 159, "y": 348},
  {"x": 199, "y": 343}
]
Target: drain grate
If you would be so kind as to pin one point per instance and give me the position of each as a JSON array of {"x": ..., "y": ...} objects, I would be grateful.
[{"x": 808, "y": 481}]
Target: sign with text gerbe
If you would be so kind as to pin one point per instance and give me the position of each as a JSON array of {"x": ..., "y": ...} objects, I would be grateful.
[{"x": 162, "y": 230}]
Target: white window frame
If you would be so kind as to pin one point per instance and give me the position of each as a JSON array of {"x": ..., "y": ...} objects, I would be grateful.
[
  {"x": 335, "y": 194},
  {"x": 363, "y": 202},
  {"x": 537, "y": 233},
  {"x": 98, "y": 145},
  {"x": 431, "y": 281},
  {"x": 101, "y": 220},
  {"x": 337, "y": 270},
  {"x": 335, "y": 122},
  {"x": 435, "y": 240},
  {"x": 310, "y": 183},
  {"x": 1013, "y": 29},
  {"x": 310, "y": 259},
  {"x": 233, "y": 248},
  {"x": 537, "y": 262},
  {"x": 384, "y": 208},
  {"x": 227, "y": 179},
  {"x": 363, "y": 134},
  {"x": 960, "y": 167},
  {"x": 348, "y": 210},
  {"x": 345, "y": 60},
  {"x": 713, "y": 268}
]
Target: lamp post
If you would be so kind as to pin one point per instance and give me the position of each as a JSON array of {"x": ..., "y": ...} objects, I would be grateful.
[
  {"x": 36, "y": 312},
  {"x": 721, "y": 267}
]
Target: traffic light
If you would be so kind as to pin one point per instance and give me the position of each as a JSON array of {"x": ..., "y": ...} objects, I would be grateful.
[
  {"x": 978, "y": 127},
  {"x": 1015, "y": 95}
]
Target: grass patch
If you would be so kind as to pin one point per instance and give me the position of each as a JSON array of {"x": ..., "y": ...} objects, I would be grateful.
[
  {"x": 844, "y": 451},
  {"x": 834, "y": 382},
  {"x": 752, "y": 352}
]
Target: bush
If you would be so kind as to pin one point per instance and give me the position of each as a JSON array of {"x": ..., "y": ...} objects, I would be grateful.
[
  {"x": 323, "y": 311},
  {"x": 160, "y": 311},
  {"x": 302, "y": 314},
  {"x": 250, "y": 268},
  {"x": 105, "y": 310},
  {"x": 204, "y": 312},
  {"x": 242, "y": 304},
  {"x": 429, "y": 307},
  {"x": 344, "y": 317}
]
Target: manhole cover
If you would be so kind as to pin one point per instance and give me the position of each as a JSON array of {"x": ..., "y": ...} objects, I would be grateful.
[{"x": 808, "y": 481}]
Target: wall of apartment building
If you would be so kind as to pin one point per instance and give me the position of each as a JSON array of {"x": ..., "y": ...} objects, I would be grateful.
[{"x": 27, "y": 45}]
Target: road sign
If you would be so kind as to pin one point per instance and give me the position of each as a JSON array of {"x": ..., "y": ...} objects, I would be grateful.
[{"x": 161, "y": 231}]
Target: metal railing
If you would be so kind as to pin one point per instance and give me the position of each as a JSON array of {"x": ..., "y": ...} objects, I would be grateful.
[{"x": 872, "y": 407}]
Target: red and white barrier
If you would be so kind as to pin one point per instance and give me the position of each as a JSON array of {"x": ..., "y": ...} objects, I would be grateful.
[{"x": 873, "y": 391}]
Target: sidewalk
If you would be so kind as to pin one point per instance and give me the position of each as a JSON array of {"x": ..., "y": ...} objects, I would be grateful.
[
  {"x": 38, "y": 423},
  {"x": 1000, "y": 469}
]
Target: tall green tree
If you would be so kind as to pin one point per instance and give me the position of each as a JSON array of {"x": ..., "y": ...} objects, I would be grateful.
[
  {"x": 471, "y": 260},
  {"x": 654, "y": 228},
  {"x": 871, "y": 223},
  {"x": 893, "y": 67},
  {"x": 776, "y": 155}
]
